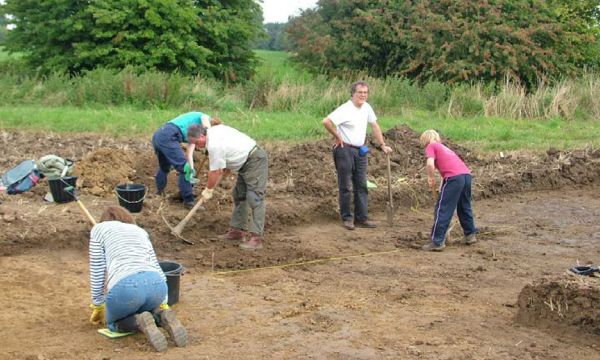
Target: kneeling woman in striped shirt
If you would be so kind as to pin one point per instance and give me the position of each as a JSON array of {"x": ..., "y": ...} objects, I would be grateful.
[{"x": 122, "y": 256}]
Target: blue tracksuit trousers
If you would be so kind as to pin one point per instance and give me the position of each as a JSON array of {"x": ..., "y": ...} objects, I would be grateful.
[
  {"x": 166, "y": 142},
  {"x": 455, "y": 194}
]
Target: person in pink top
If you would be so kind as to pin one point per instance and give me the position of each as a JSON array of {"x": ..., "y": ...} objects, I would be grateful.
[{"x": 455, "y": 191}]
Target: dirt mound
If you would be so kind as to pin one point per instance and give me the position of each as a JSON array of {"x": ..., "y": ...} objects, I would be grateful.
[
  {"x": 566, "y": 300},
  {"x": 302, "y": 181}
]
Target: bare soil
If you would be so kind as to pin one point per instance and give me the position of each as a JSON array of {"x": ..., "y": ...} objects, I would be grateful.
[{"x": 317, "y": 290}]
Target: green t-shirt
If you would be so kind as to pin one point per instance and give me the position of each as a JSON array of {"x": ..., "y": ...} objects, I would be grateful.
[{"x": 185, "y": 120}]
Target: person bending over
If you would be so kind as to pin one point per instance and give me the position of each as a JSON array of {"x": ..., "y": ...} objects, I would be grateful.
[{"x": 454, "y": 194}]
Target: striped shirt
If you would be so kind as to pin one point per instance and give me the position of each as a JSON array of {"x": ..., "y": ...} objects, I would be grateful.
[{"x": 118, "y": 250}]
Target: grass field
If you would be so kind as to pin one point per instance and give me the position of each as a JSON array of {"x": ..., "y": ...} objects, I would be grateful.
[
  {"x": 300, "y": 124},
  {"x": 485, "y": 134}
]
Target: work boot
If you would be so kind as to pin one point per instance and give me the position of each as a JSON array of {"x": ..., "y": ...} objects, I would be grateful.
[
  {"x": 366, "y": 224},
  {"x": 189, "y": 204},
  {"x": 349, "y": 224},
  {"x": 174, "y": 327},
  {"x": 145, "y": 323},
  {"x": 232, "y": 234},
  {"x": 255, "y": 243},
  {"x": 470, "y": 239},
  {"x": 433, "y": 247}
]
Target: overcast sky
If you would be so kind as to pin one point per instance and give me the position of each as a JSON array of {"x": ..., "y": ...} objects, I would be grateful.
[{"x": 280, "y": 10}]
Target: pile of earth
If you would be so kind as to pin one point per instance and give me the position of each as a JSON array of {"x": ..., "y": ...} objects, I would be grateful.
[
  {"x": 302, "y": 181},
  {"x": 567, "y": 300}
]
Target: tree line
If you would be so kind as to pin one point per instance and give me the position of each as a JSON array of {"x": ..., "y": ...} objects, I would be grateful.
[
  {"x": 452, "y": 41},
  {"x": 194, "y": 37}
]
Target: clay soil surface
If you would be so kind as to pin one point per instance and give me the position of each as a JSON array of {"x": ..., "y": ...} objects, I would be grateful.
[{"x": 363, "y": 294}]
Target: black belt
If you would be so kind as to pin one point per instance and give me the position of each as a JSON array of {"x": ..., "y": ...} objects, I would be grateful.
[{"x": 352, "y": 146}]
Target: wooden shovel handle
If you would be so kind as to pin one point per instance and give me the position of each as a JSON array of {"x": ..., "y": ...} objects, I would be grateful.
[{"x": 86, "y": 212}]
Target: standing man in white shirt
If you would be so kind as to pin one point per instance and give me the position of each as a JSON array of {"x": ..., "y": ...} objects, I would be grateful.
[
  {"x": 231, "y": 150},
  {"x": 348, "y": 125}
]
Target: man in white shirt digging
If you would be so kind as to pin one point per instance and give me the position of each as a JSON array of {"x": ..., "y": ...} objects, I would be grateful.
[{"x": 231, "y": 150}]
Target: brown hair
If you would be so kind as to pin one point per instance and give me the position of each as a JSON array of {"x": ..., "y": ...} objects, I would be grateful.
[
  {"x": 356, "y": 85},
  {"x": 117, "y": 213},
  {"x": 214, "y": 121}
]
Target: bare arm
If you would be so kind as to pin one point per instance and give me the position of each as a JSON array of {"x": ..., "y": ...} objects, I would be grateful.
[
  {"x": 430, "y": 168},
  {"x": 331, "y": 129},
  {"x": 379, "y": 137},
  {"x": 213, "y": 178},
  {"x": 189, "y": 154}
]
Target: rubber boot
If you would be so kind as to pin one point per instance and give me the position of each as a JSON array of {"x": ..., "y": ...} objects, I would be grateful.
[
  {"x": 146, "y": 324},
  {"x": 174, "y": 327},
  {"x": 255, "y": 243},
  {"x": 233, "y": 234}
]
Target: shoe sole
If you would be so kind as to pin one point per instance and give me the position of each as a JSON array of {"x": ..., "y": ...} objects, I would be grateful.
[
  {"x": 146, "y": 324},
  {"x": 174, "y": 328},
  {"x": 250, "y": 247}
]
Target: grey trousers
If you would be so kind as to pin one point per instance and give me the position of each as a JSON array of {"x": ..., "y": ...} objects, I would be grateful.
[{"x": 249, "y": 192}]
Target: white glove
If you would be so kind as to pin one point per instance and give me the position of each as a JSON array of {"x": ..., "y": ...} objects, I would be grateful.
[{"x": 207, "y": 194}]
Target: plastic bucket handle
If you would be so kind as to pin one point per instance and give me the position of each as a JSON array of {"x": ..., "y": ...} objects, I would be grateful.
[{"x": 133, "y": 202}]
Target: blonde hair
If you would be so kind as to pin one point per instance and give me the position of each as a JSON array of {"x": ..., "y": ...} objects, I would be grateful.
[
  {"x": 429, "y": 135},
  {"x": 117, "y": 213}
]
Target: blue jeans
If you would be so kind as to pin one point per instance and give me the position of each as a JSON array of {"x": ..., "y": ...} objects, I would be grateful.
[
  {"x": 166, "y": 142},
  {"x": 351, "y": 170},
  {"x": 143, "y": 291},
  {"x": 455, "y": 194}
]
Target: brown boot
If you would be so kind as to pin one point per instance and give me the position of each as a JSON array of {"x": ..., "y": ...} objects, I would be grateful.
[
  {"x": 233, "y": 234},
  {"x": 145, "y": 323},
  {"x": 255, "y": 243},
  {"x": 174, "y": 327},
  {"x": 365, "y": 224}
]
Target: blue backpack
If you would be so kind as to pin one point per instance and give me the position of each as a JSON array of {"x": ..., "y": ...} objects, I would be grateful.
[{"x": 21, "y": 178}]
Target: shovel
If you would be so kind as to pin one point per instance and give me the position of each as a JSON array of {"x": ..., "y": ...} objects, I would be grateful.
[
  {"x": 390, "y": 205},
  {"x": 71, "y": 191}
]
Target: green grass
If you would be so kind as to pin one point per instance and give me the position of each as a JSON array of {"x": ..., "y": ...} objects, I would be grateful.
[
  {"x": 483, "y": 134},
  {"x": 286, "y": 103},
  {"x": 4, "y": 55},
  {"x": 500, "y": 134}
]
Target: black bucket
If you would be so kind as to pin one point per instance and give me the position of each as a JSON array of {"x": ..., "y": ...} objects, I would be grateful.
[
  {"x": 57, "y": 189},
  {"x": 173, "y": 272},
  {"x": 131, "y": 196}
]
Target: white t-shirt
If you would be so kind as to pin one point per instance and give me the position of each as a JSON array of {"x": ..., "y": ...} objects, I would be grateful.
[
  {"x": 227, "y": 147},
  {"x": 351, "y": 122}
]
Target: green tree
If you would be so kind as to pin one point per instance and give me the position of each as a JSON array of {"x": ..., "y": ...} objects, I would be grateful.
[
  {"x": 275, "y": 37},
  {"x": 447, "y": 40},
  {"x": 229, "y": 28},
  {"x": 191, "y": 36},
  {"x": 2, "y": 29}
]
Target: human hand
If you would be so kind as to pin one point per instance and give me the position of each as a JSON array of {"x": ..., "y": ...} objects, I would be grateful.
[
  {"x": 338, "y": 142},
  {"x": 207, "y": 194},
  {"x": 386, "y": 149},
  {"x": 431, "y": 182},
  {"x": 188, "y": 171},
  {"x": 98, "y": 314}
]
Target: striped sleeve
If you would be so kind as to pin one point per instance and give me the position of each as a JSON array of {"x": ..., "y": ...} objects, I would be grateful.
[{"x": 97, "y": 267}]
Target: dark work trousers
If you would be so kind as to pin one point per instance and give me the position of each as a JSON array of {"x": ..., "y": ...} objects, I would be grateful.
[
  {"x": 166, "y": 142},
  {"x": 352, "y": 179},
  {"x": 249, "y": 192},
  {"x": 454, "y": 194}
]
